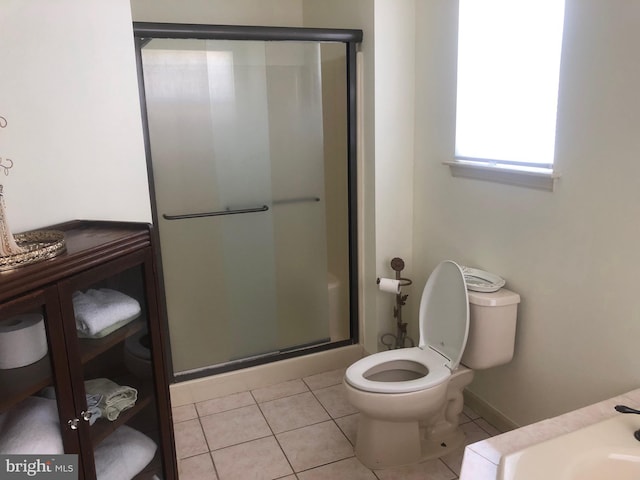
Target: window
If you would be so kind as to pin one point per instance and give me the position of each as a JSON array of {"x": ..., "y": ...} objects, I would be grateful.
[{"x": 508, "y": 75}]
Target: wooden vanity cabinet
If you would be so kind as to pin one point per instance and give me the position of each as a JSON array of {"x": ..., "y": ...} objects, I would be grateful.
[{"x": 100, "y": 256}]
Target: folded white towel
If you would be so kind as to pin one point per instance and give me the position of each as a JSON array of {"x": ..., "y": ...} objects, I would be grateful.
[
  {"x": 31, "y": 427},
  {"x": 115, "y": 398},
  {"x": 123, "y": 454},
  {"x": 98, "y": 309}
]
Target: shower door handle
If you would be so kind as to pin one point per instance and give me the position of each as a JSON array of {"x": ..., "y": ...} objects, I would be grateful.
[
  {"x": 296, "y": 200},
  {"x": 263, "y": 208}
]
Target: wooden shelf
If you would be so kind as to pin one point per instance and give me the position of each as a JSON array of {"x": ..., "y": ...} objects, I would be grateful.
[
  {"x": 89, "y": 243},
  {"x": 17, "y": 384},
  {"x": 92, "y": 347},
  {"x": 104, "y": 427}
]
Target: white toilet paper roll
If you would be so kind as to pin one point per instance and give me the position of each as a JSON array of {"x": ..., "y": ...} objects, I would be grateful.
[
  {"x": 389, "y": 285},
  {"x": 23, "y": 340}
]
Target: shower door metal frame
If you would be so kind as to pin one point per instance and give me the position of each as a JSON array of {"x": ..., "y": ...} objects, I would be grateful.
[{"x": 145, "y": 32}]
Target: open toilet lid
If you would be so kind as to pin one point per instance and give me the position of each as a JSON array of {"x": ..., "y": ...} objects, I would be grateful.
[{"x": 444, "y": 312}]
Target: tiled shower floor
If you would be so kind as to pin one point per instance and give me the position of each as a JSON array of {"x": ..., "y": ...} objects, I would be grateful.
[{"x": 301, "y": 429}]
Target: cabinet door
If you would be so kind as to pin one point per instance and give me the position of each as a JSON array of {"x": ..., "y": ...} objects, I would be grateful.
[
  {"x": 111, "y": 330},
  {"x": 35, "y": 388}
]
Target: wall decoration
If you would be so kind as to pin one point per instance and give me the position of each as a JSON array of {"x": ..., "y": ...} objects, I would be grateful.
[{"x": 24, "y": 248}]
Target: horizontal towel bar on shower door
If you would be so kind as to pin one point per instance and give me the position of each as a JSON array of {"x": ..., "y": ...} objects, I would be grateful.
[
  {"x": 296, "y": 200},
  {"x": 263, "y": 208}
]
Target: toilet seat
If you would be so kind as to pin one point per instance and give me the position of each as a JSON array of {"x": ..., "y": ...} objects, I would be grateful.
[
  {"x": 444, "y": 327},
  {"x": 435, "y": 364},
  {"x": 444, "y": 313}
]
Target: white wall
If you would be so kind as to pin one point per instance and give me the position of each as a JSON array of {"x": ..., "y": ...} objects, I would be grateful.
[
  {"x": 571, "y": 254},
  {"x": 69, "y": 92},
  {"x": 386, "y": 168},
  {"x": 359, "y": 14},
  {"x": 394, "y": 153},
  {"x": 283, "y": 13}
]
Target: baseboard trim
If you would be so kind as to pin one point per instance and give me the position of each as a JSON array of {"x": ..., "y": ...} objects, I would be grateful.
[
  {"x": 223, "y": 384},
  {"x": 489, "y": 413}
]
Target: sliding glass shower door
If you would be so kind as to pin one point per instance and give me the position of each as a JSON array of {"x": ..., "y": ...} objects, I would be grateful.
[{"x": 239, "y": 157}]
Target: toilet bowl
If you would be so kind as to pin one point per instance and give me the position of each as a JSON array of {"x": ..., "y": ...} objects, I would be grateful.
[{"x": 410, "y": 399}]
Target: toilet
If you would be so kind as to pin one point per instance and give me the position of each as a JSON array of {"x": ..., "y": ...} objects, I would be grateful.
[{"x": 410, "y": 399}]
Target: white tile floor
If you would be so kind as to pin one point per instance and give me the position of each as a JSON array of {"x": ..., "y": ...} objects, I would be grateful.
[{"x": 302, "y": 429}]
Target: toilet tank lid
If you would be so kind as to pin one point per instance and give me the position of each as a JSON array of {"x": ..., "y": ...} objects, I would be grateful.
[{"x": 494, "y": 299}]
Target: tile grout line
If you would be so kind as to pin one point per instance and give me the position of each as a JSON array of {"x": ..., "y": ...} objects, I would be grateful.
[
  {"x": 226, "y": 410},
  {"x": 206, "y": 441},
  {"x": 339, "y": 429},
  {"x": 274, "y": 436},
  {"x": 456, "y": 476},
  {"x": 316, "y": 423},
  {"x": 333, "y": 419},
  {"x": 284, "y": 396},
  {"x": 484, "y": 429}
]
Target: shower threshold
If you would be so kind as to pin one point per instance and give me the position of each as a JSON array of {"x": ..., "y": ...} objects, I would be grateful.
[{"x": 245, "y": 362}]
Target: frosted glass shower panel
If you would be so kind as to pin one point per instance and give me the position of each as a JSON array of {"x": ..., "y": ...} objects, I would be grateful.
[
  {"x": 241, "y": 154},
  {"x": 238, "y": 158},
  {"x": 294, "y": 92},
  {"x": 210, "y": 150}
]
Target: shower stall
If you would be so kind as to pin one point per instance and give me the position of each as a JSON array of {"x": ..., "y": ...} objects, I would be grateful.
[{"x": 250, "y": 136}]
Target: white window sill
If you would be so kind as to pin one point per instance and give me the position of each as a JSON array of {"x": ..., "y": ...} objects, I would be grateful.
[{"x": 543, "y": 180}]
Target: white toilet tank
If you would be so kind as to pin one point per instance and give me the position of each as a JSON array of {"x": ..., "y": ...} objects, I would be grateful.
[{"x": 492, "y": 329}]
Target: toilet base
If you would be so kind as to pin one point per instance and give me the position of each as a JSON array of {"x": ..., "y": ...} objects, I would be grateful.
[
  {"x": 389, "y": 444},
  {"x": 436, "y": 448},
  {"x": 382, "y": 443}
]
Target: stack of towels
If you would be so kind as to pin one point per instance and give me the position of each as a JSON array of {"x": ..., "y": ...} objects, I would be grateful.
[
  {"x": 32, "y": 427},
  {"x": 102, "y": 311},
  {"x": 123, "y": 454}
]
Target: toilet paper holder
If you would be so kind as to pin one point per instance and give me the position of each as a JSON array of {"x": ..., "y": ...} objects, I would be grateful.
[{"x": 400, "y": 339}]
